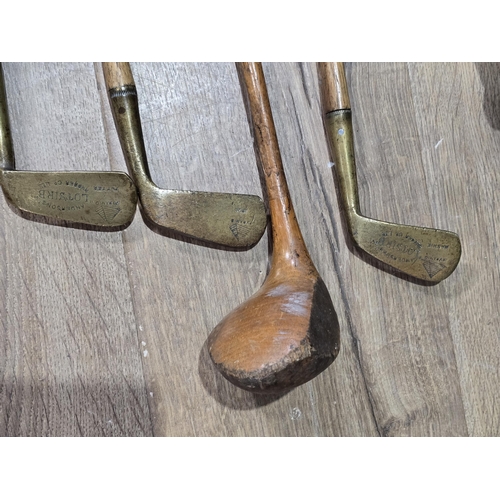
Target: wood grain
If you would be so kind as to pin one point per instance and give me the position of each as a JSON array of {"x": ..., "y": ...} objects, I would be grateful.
[
  {"x": 71, "y": 363},
  {"x": 118, "y": 74},
  {"x": 104, "y": 333}
]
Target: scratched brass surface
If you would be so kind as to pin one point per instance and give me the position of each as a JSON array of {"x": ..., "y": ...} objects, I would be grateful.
[{"x": 104, "y": 333}]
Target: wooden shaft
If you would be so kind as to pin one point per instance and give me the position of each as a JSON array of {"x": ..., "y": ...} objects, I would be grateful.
[
  {"x": 286, "y": 231},
  {"x": 333, "y": 86},
  {"x": 117, "y": 74}
]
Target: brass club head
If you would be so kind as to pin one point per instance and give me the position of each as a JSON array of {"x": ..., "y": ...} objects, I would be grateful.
[
  {"x": 232, "y": 220},
  {"x": 424, "y": 253},
  {"x": 106, "y": 199}
]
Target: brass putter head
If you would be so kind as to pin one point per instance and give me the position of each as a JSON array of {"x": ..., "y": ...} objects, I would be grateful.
[
  {"x": 233, "y": 220},
  {"x": 106, "y": 199},
  {"x": 424, "y": 253}
]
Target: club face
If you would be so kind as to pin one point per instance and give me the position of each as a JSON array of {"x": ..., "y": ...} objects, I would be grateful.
[
  {"x": 231, "y": 220},
  {"x": 106, "y": 199},
  {"x": 424, "y": 253}
]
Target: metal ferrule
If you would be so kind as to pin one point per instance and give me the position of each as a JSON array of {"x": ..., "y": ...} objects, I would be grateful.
[
  {"x": 339, "y": 125},
  {"x": 125, "y": 107},
  {"x": 7, "y": 161}
]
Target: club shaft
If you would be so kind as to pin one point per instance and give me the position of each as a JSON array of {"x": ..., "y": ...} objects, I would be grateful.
[
  {"x": 333, "y": 86},
  {"x": 286, "y": 231}
]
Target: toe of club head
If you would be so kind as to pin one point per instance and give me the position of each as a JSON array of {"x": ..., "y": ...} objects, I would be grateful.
[{"x": 423, "y": 253}]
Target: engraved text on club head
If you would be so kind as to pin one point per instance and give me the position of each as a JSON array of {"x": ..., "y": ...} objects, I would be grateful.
[
  {"x": 397, "y": 246},
  {"x": 61, "y": 195}
]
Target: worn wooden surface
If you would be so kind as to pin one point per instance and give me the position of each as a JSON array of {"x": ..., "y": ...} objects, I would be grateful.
[{"x": 104, "y": 333}]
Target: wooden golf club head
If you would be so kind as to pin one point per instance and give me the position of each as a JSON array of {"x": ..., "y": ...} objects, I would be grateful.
[
  {"x": 233, "y": 220},
  {"x": 282, "y": 336},
  {"x": 287, "y": 332},
  {"x": 425, "y": 253},
  {"x": 105, "y": 199}
]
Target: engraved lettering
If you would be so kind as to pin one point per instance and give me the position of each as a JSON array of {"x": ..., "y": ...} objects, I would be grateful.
[
  {"x": 62, "y": 196},
  {"x": 397, "y": 246},
  {"x": 106, "y": 188},
  {"x": 62, "y": 208},
  {"x": 438, "y": 247},
  {"x": 413, "y": 240},
  {"x": 77, "y": 185},
  {"x": 111, "y": 203}
]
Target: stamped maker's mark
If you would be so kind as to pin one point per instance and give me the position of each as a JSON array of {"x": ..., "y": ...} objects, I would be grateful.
[
  {"x": 73, "y": 196},
  {"x": 108, "y": 213},
  {"x": 398, "y": 246},
  {"x": 432, "y": 268},
  {"x": 241, "y": 227}
]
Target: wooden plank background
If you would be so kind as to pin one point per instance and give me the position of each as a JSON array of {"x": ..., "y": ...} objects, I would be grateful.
[{"x": 104, "y": 333}]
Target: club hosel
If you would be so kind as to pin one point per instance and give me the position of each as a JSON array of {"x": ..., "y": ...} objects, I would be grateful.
[
  {"x": 125, "y": 108},
  {"x": 339, "y": 125}
]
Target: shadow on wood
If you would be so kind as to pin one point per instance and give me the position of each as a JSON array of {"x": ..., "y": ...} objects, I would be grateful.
[{"x": 490, "y": 78}]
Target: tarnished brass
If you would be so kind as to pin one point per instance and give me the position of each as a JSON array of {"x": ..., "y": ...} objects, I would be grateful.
[
  {"x": 105, "y": 199},
  {"x": 93, "y": 198},
  {"x": 234, "y": 220},
  {"x": 425, "y": 253},
  {"x": 6, "y": 147}
]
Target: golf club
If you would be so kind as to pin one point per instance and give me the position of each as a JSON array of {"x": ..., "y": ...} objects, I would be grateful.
[
  {"x": 288, "y": 331},
  {"x": 424, "y": 253},
  {"x": 233, "y": 220},
  {"x": 105, "y": 199}
]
